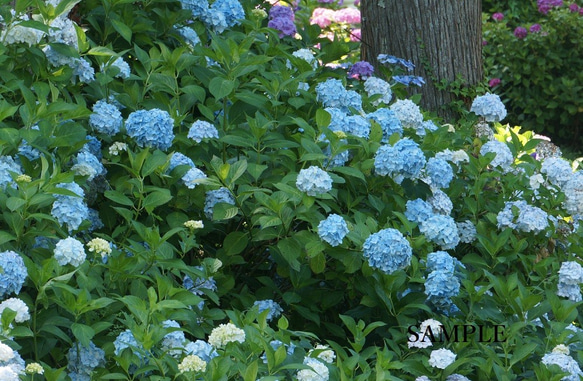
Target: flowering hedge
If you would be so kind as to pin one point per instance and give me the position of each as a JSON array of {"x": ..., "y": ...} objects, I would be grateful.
[
  {"x": 191, "y": 194},
  {"x": 532, "y": 61}
]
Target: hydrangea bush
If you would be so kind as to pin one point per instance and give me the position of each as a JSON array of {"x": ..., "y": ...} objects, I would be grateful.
[
  {"x": 531, "y": 61},
  {"x": 190, "y": 193}
]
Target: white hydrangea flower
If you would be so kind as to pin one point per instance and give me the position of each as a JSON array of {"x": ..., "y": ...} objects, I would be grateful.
[
  {"x": 536, "y": 181},
  {"x": 6, "y": 353},
  {"x": 17, "y": 306},
  {"x": 7, "y": 374},
  {"x": 99, "y": 246},
  {"x": 117, "y": 147},
  {"x": 192, "y": 363},
  {"x": 319, "y": 371},
  {"x": 226, "y": 333},
  {"x": 326, "y": 355},
  {"x": 441, "y": 358},
  {"x": 561, "y": 348},
  {"x": 193, "y": 225},
  {"x": 34, "y": 368}
]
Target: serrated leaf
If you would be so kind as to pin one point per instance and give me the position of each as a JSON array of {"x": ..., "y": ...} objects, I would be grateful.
[
  {"x": 224, "y": 211},
  {"x": 83, "y": 333},
  {"x": 118, "y": 197},
  {"x": 124, "y": 30},
  {"x": 235, "y": 243}
]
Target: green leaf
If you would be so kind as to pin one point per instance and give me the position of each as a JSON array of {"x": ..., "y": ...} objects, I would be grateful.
[
  {"x": 318, "y": 263},
  {"x": 15, "y": 203},
  {"x": 220, "y": 87},
  {"x": 251, "y": 371},
  {"x": 83, "y": 333},
  {"x": 155, "y": 161},
  {"x": 323, "y": 118},
  {"x": 235, "y": 243},
  {"x": 118, "y": 197},
  {"x": 224, "y": 211},
  {"x": 124, "y": 30},
  {"x": 290, "y": 250},
  {"x": 6, "y": 237},
  {"x": 237, "y": 141},
  {"x": 157, "y": 198}
]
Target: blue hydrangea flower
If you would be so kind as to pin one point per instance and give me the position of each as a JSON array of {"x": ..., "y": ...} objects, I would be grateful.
[
  {"x": 467, "y": 231},
  {"x": 358, "y": 126},
  {"x": 106, "y": 118},
  {"x": 179, "y": 159},
  {"x": 490, "y": 107},
  {"x": 338, "y": 120},
  {"x": 124, "y": 68},
  {"x": 70, "y": 210},
  {"x": 8, "y": 166},
  {"x": 392, "y": 60},
  {"x": 201, "y": 349},
  {"x": 192, "y": 178},
  {"x": 93, "y": 146},
  {"x": 188, "y": 34},
  {"x": 202, "y": 130},
  {"x": 57, "y": 59},
  {"x": 70, "y": 251},
  {"x": 441, "y": 230},
  {"x": 339, "y": 158},
  {"x": 333, "y": 229},
  {"x": 418, "y": 210},
  {"x": 126, "y": 340},
  {"x": 571, "y": 272},
  {"x": 409, "y": 80},
  {"x": 557, "y": 170},
  {"x": 274, "y": 308},
  {"x": 439, "y": 171},
  {"x": 173, "y": 342},
  {"x": 387, "y": 250},
  {"x": 440, "y": 287},
  {"x": 96, "y": 222},
  {"x": 569, "y": 291},
  {"x": 427, "y": 125},
  {"x": 86, "y": 164},
  {"x": 213, "y": 197},
  {"x": 331, "y": 93},
  {"x": 564, "y": 361},
  {"x": 408, "y": 113},
  {"x": 314, "y": 181},
  {"x": 352, "y": 99},
  {"x": 13, "y": 273},
  {"x": 442, "y": 261},
  {"x": 151, "y": 128},
  {"x": 440, "y": 202},
  {"x": 523, "y": 217},
  {"x": 573, "y": 190},
  {"x": 84, "y": 70},
  {"x": 83, "y": 360},
  {"x": 224, "y": 14},
  {"x": 199, "y": 8},
  {"x": 503, "y": 157},
  {"x": 376, "y": 86},
  {"x": 403, "y": 160},
  {"x": 388, "y": 121},
  {"x": 26, "y": 150}
]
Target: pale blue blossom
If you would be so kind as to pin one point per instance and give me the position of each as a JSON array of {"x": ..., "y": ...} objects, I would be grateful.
[
  {"x": 467, "y": 231},
  {"x": 418, "y": 210},
  {"x": 274, "y": 308},
  {"x": 440, "y": 202},
  {"x": 408, "y": 113},
  {"x": 70, "y": 251},
  {"x": 573, "y": 190},
  {"x": 503, "y": 157},
  {"x": 388, "y": 121},
  {"x": 83, "y": 360},
  {"x": 490, "y": 107},
  {"x": 86, "y": 164},
  {"x": 440, "y": 287},
  {"x": 70, "y": 210},
  {"x": 314, "y": 181},
  {"x": 106, "y": 118},
  {"x": 173, "y": 342},
  {"x": 441, "y": 230},
  {"x": 214, "y": 197},
  {"x": 189, "y": 35},
  {"x": 333, "y": 229},
  {"x": 201, "y": 349},
  {"x": 151, "y": 128},
  {"x": 439, "y": 171},
  {"x": 376, "y": 86},
  {"x": 8, "y": 167},
  {"x": 403, "y": 160},
  {"x": 387, "y": 250},
  {"x": 202, "y": 130},
  {"x": 557, "y": 170},
  {"x": 13, "y": 273},
  {"x": 123, "y": 67}
]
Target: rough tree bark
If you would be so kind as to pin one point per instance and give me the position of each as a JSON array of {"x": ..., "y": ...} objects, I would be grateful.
[{"x": 443, "y": 38}]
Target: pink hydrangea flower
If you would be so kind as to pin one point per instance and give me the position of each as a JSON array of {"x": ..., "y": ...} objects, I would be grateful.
[
  {"x": 347, "y": 15},
  {"x": 498, "y": 16},
  {"x": 494, "y": 82},
  {"x": 355, "y": 35},
  {"x": 322, "y": 16}
]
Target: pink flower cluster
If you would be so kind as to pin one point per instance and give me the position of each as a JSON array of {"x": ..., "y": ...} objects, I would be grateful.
[{"x": 323, "y": 17}]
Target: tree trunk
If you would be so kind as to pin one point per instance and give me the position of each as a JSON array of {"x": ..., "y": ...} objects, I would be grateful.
[{"x": 443, "y": 38}]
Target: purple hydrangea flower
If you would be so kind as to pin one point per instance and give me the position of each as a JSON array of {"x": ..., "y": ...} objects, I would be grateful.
[
  {"x": 535, "y": 28},
  {"x": 520, "y": 32},
  {"x": 361, "y": 69},
  {"x": 498, "y": 16}
]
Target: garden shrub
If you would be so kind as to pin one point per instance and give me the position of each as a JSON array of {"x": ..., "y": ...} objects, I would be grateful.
[
  {"x": 190, "y": 194},
  {"x": 533, "y": 64}
]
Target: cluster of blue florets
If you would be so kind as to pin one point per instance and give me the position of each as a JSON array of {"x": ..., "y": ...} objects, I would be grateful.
[
  {"x": 214, "y": 197},
  {"x": 314, "y": 181},
  {"x": 219, "y": 16},
  {"x": 388, "y": 121},
  {"x": 439, "y": 171},
  {"x": 333, "y": 229},
  {"x": 83, "y": 360},
  {"x": 523, "y": 217},
  {"x": 442, "y": 283},
  {"x": 106, "y": 118},
  {"x": 70, "y": 210},
  {"x": 490, "y": 107},
  {"x": 503, "y": 157},
  {"x": 13, "y": 273},
  {"x": 403, "y": 160},
  {"x": 387, "y": 250},
  {"x": 273, "y": 308},
  {"x": 151, "y": 128},
  {"x": 570, "y": 278}
]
